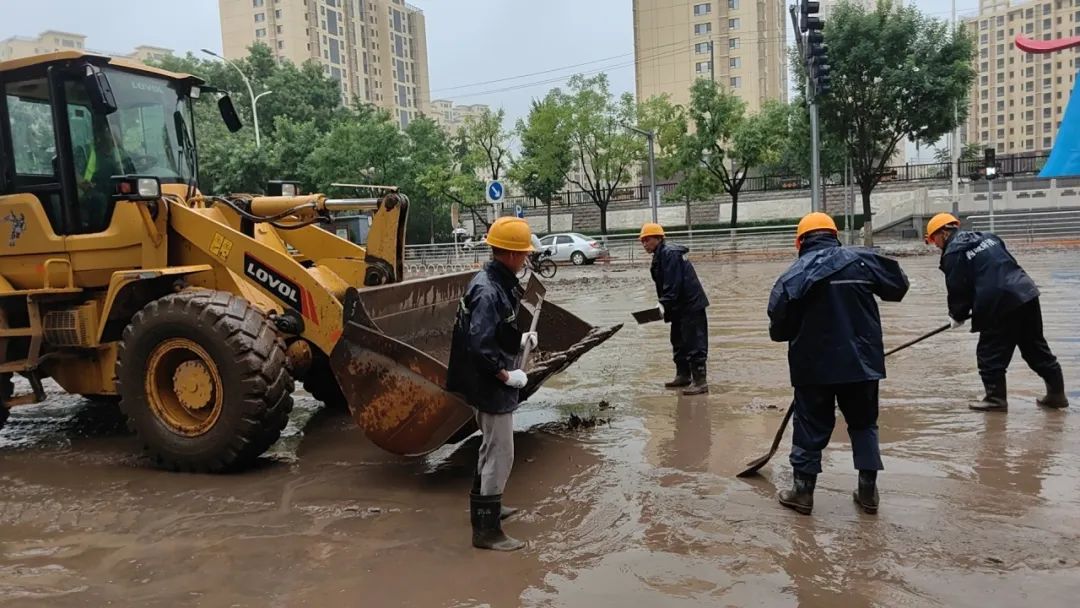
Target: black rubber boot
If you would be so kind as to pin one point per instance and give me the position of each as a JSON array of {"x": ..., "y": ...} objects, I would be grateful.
[
  {"x": 504, "y": 511},
  {"x": 1055, "y": 392},
  {"x": 700, "y": 384},
  {"x": 866, "y": 495},
  {"x": 487, "y": 525},
  {"x": 996, "y": 399},
  {"x": 801, "y": 495},
  {"x": 682, "y": 377}
]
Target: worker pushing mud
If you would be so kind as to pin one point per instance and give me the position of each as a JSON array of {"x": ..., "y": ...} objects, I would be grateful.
[
  {"x": 682, "y": 303},
  {"x": 823, "y": 306},
  {"x": 486, "y": 342},
  {"x": 986, "y": 285}
]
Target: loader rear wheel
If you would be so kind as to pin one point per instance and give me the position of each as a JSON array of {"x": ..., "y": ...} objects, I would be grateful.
[{"x": 203, "y": 381}]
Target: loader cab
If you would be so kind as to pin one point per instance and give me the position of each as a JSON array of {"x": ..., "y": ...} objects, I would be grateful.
[{"x": 69, "y": 125}]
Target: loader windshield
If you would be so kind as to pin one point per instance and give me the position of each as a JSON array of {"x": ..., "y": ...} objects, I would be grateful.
[{"x": 150, "y": 133}]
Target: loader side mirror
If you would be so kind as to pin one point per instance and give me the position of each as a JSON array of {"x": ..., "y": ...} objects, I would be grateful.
[
  {"x": 229, "y": 115},
  {"x": 99, "y": 90},
  {"x": 136, "y": 188}
]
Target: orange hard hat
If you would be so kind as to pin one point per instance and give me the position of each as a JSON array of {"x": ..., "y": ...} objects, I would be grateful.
[
  {"x": 938, "y": 222},
  {"x": 510, "y": 234},
  {"x": 810, "y": 223},
  {"x": 651, "y": 229}
]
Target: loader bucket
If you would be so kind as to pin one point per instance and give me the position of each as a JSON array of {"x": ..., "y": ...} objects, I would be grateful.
[{"x": 391, "y": 359}]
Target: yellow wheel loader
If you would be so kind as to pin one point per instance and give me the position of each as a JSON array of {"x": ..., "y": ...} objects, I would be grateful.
[{"x": 119, "y": 279}]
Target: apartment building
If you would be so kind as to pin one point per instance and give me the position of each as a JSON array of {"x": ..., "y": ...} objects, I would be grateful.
[
  {"x": 451, "y": 116},
  {"x": 376, "y": 49},
  {"x": 52, "y": 41},
  {"x": 738, "y": 43},
  {"x": 1018, "y": 99}
]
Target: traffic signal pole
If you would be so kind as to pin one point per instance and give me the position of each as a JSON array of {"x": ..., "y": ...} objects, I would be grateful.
[{"x": 809, "y": 40}]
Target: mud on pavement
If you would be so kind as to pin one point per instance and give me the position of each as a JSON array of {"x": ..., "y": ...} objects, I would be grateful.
[{"x": 977, "y": 510}]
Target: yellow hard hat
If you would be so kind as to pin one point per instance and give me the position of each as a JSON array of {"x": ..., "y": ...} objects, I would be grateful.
[
  {"x": 511, "y": 234},
  {"x": 938, "y": 222},
  {"x": 651, "y": 229},
  {"x": 813, "y": 221}
]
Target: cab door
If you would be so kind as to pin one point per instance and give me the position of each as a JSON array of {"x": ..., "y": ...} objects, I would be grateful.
[{"x": 32, "y": 193}]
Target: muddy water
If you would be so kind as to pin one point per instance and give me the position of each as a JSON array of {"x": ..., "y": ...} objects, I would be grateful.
[{"x": 977, "y": 510}]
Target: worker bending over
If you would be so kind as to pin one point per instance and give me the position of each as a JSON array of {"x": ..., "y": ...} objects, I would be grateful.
[
  {"x": 682, "y": 303},
  {"x": 823, "y": 306},
  {"x": 987, "y": 285},
  {"x": 484, "y": 369}
]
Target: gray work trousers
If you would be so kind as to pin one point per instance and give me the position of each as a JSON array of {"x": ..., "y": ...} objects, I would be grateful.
[{"x": 496, "y": 456}]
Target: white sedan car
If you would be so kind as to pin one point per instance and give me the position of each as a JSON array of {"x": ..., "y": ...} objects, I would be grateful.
[{"x": 573, "y": 247}]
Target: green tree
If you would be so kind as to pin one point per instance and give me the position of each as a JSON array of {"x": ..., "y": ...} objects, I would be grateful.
[
  {"x": 970, "y": 152},
  {"x": 896, "y": 74},
  {"x": 368, "y": 147},
  {"x": 729, "y": 144},
  {"x": 428, "y": 153},
  {"x": 487, "y": 143},
  {"x": 595, "y": 122},
  {"x": 545, "y": 157}
]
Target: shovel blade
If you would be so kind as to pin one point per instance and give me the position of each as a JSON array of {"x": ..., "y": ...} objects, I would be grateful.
[{"x": 648, "y": 315}]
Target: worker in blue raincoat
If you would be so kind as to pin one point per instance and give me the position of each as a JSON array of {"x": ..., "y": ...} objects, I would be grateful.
[
  {"x": 483, "y": 369},
  {"x": 682, "y": 302},
  {"x": 823, "y": 306},
  {"x": 986, "y": 285}
]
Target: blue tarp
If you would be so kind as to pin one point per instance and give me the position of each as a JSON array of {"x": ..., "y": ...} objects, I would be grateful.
[{"x": 1065, "y": 157}]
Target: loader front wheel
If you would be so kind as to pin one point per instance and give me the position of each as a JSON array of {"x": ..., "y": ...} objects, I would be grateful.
[{"x": 203, "y": 381}]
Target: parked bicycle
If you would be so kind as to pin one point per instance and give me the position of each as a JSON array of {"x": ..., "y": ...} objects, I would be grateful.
[{"x": 540, "y": 263}]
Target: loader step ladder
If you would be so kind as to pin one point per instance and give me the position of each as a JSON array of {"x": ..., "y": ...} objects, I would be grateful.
[{"x": 28, "y": 367}]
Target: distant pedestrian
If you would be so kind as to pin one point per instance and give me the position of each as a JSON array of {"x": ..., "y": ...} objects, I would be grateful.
[
  {"x": 682, "y": 303},
  {"x": 483, "y": 369},
  {"x": 987, "y": 285},
  {"x": 823, "y": 306}
]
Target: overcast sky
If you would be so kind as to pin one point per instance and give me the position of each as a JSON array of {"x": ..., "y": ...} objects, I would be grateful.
[{"x": 469, "y": 41}]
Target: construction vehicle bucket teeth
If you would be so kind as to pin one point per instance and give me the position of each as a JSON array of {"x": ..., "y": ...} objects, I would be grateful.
[{"x": 392, "y": 356}]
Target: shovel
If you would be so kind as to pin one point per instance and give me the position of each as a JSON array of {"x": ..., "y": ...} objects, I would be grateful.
[
  {"x": 755, "y": 465},
  {"x": 648, "y": 315}
]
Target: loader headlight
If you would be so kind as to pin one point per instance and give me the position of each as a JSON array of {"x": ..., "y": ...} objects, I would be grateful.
[
  {"x": 136, "y": 188},
  {"x": 282, "y": 188}
]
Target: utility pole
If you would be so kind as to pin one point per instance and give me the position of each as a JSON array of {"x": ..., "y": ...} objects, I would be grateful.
[
  {"x": 712, "y": 61},
  {"x": 810, "y": 40},
  {"x": 651, "y": 137},
  {"x": 991, "y": 175},
  {"x": 955, "y": 146}
]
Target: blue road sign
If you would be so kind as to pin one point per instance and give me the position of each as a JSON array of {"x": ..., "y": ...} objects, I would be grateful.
[
  {"x": 496, "y": 191},
  {"x": 519, "y": 211}
]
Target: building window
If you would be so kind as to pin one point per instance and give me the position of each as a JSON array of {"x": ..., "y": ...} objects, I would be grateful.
[
  {"x": 1000, "y": 120},
  {"x": 257, "y": 3},
  {"x": 260, "y": 33},
  {"x": 733, "y": 4},
  {"x": 280, "y": 44},
  {"x": 735, "y": 63},
  {"x": 984, "y": 38},
  {"x": 703, "y": 67},
  {"x": 701, "y": 48},
  {"x": 1046, "y": 127},
  {"x": 733, "y": 24},
  {"x": 984, "y": 81},
  {"x": 1001, "y": 35},
  {"x": 1047, "y": 98},
  {"x": 702, "y": 9},
  {"x": 280, "y": 29},
  {"x": 277, "y": 13},
  {"x": 736, "y": 82},
  {"x": 260, "y": 17},
  {"x": 1047, "y": 144},
  {"x": 733, "y": 43},
  {"x": 700, "y": 29}
]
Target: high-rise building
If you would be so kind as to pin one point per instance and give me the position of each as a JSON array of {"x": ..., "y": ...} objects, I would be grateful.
[
  {"x": 377, "y": 49},
  {"x": 738, "y": 43},
  {"x": 51, "y": 41},
  {"x": 1018, "y": 99},
  {"x": 451, "y": 116}
]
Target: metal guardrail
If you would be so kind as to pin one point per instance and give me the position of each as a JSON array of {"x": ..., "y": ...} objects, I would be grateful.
[
  {"x": 1037, "y": 226},
  {"x": 442, "y": 258}
]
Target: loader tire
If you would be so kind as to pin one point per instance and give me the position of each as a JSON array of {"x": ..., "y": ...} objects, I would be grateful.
[
  {"x": 203, "y": 381},
  {"x": 7, "y": 389},
  {"x": 322, "y": 385}
]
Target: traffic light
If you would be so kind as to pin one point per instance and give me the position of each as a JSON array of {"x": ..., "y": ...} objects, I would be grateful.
[
  {"x": 990, "y": 158},
  {"x": 817, "y": 54}
]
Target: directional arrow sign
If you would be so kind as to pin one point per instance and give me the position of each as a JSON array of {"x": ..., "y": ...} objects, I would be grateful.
[{"x": 495, "y": 192}]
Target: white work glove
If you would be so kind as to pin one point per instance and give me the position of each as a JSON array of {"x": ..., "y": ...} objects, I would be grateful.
[
  {"x": 529, "y": 339},
  {"x": 954, "y": 324},
  {"x": 516, "y": 379},
  {"x": 660, "y": 307}
]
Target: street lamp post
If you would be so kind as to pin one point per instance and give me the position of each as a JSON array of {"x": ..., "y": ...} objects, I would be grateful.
[
  {"x": 251, "y": 94},
  {"x": 651, "y": 137}
]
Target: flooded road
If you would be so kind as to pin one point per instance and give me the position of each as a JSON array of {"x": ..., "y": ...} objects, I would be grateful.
[{"x": 641, "y": 510}]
